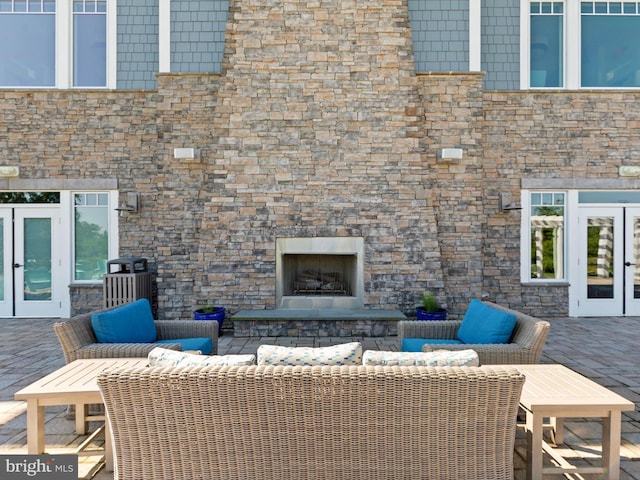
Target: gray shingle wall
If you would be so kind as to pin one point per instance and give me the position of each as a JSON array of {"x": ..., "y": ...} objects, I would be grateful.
[
  {"x": 440, "y": 35},
  {"x": 500, "y": 44},
  {"x": 137, "y": 44},
  {"x": 197, "y": 35}
]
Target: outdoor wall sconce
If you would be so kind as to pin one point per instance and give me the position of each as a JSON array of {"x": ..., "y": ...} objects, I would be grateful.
[
  {"x": 132, "y": 203},
  {"x": 186, "y": 153},
  {"x": 505, "y": 202},
  {"x": 9, "y": 171},
  {"x": 449, "y": 155}
]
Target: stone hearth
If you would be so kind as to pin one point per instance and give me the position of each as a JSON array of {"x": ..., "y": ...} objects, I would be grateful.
[{"x": 316, "y": 323}]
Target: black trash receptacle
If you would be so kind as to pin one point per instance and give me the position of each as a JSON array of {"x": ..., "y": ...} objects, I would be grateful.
[
  {"x": 129, "y": 282},
  {"x": 128, "y": 265}
]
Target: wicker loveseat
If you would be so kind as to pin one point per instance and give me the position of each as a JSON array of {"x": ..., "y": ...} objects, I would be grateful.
[
  {"x": 313, "y": 422},
  {"x": 78, "y": 339},
  {"x": 524, "y": 347}
]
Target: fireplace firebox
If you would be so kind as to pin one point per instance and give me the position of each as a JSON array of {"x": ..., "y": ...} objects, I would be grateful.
[{"x": 319, "y": 272}]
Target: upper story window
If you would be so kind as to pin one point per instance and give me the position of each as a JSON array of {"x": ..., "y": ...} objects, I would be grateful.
[
  {"x": 57, "y": 43},
  {"x": 89, "y": 43},
  {"x": 579, "y": 44},
  {"x": 610, "y": 38},
  {"x": 546, "y": 44},
  {"x": 27, "y": 43}
]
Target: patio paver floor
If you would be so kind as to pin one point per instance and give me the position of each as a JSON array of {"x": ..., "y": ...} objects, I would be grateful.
[{"x": 604, "y": 349}]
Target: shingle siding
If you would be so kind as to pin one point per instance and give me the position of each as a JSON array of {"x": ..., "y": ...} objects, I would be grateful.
[
  {"x": 197, "y": 35},
  {"x": 137, "y": 44},
  {"x": 500, "y": 39},
  {"x": 440, "y": 34}
]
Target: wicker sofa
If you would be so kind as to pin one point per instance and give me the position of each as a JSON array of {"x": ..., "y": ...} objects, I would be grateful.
[
  {"x": 78, "y": 340},
  {"x": 524, "y": 347},
  {"x": 313, "y": 422}
]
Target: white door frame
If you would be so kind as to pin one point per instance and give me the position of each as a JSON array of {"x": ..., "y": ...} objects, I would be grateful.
[
  {"x": 13, "y": 303},
  {"x": 619, "y": 244}
]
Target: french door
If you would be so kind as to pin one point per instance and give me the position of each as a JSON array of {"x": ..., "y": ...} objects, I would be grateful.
[
  {"x": 609, "y": 261},
  {"x": 31, "y": 283}
]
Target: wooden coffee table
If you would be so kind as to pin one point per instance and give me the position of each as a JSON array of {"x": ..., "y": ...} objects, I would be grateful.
[
  {"x": 76, "y": 384},
  {"x": 556, "y": 392}
]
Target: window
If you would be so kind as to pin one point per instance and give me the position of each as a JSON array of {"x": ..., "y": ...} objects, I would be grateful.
[
  {"x": 546, "y": 252},
  {"x": 609, "y": 51},
  {"x": 27, "y": 43},
  {"x": 91, "y": 235},
  {"x": 546, "y": 44},
  {"x": 580, "y": 44},
  {"x": 57, "y": 43},
  {"x": 89, "y": 43}
]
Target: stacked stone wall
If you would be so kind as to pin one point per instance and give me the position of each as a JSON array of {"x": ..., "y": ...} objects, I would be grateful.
[
  {"x": 318, "y": 126},
  {"x": 453, "y": 110},
  {"x": 553, "y": 135}
]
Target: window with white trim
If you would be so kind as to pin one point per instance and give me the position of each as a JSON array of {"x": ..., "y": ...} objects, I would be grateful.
[
  {"x": 546, "y": 44},
  {"x": 545, "y": 236},
  {"x": 57, "y": 43},
  {"x": 580, "y": 44},
  {"x": 91, "y": 233}
]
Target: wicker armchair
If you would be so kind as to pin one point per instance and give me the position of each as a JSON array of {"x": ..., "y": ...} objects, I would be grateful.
[
  {"x": 78, "y": 340},
  {"x": 525, "y": 346}
]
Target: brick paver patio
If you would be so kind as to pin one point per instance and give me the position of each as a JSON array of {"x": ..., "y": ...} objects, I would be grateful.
[{"x": 603, "y": 349}]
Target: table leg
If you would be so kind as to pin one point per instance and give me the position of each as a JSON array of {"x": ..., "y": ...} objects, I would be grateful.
[
  {"x": 534, "y": 445},
  {"x": 35, "y": 427},
  {"x": 611, "y": 432},
  {"x": 558, "y": 430},
  {"x": 81, "y": 418}
]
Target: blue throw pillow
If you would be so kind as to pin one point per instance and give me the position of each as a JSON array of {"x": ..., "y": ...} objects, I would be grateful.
[
  {"x": 484, "y": 324},
  {"x": 130, "y": 323},
  {"x": 415, "y": 344}
]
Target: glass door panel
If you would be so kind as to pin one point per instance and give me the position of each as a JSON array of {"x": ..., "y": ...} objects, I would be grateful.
[
  {"x": 37, "y": 259},
  {"x": 600, "y": 257}
]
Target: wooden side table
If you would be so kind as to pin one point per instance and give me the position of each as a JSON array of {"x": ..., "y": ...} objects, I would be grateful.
[
  {"x": 557, "y": 392},
  {"x": 75, "y": 383}
]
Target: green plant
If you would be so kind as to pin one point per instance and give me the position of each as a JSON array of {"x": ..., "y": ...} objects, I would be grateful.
[
  {"x": 207, "y": 306},
  {"x": 430, "y": 302}
]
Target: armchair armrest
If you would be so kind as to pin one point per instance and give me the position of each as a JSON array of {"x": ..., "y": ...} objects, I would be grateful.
[
  {"x": 170, "y": 329},
  {"x": 120, "y": 350},
  {"x": 74, "y": 334},
  {"x": 446, "y": 329}
]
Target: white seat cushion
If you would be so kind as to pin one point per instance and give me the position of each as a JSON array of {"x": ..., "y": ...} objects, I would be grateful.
[
  {"x": 342, "y": 354},
  {"x": 162, "y": 357},
  {"x": 439, "y": 358}
]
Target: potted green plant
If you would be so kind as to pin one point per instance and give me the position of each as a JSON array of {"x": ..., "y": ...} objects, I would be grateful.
[
  {"x": 209, "y": 311},
  {"x": 430, "y": 308}
]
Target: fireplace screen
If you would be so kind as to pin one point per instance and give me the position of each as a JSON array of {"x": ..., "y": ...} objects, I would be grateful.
[{"x": 318, "y": 274}]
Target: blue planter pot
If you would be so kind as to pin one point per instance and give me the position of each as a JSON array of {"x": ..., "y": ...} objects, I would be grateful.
[
  {"x": 422, "y": 314},
  {"x": 217, "y": 314}
]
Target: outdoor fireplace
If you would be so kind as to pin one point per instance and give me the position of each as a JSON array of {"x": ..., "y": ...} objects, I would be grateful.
[{"x": 319, "y": 272}]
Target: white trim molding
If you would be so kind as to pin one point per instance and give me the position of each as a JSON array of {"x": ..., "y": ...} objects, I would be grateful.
[{"x": 164, "y": 36}]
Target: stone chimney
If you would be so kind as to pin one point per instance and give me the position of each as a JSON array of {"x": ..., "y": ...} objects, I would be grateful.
[{"x": 318, "y": 131}]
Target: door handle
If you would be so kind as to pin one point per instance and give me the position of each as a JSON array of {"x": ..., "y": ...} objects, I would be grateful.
[
  {"x": 17, "y": 265},
  {"x": 628, "y": 264}
]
